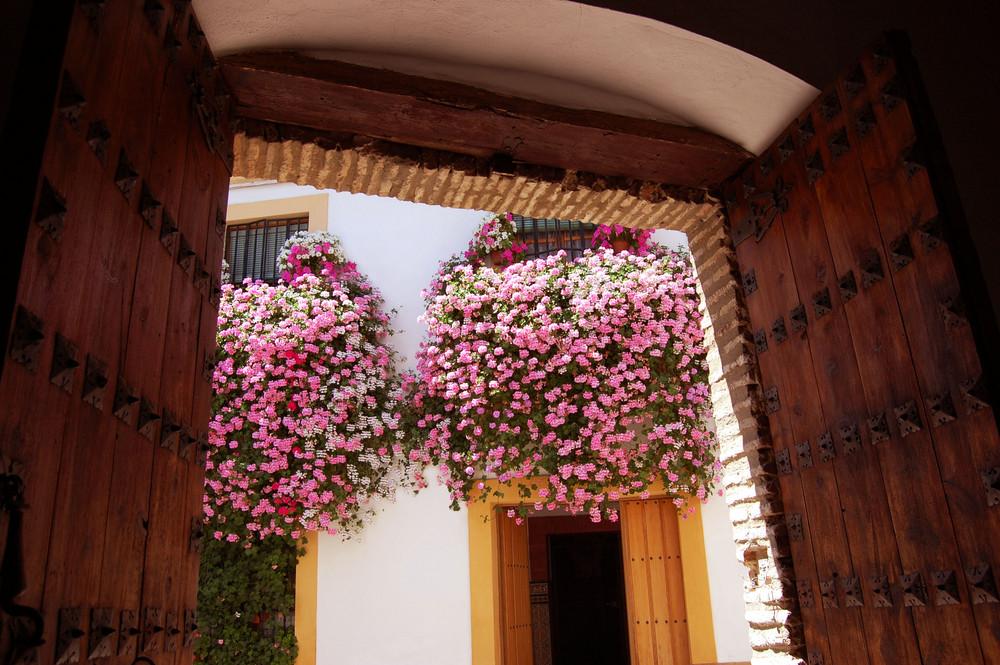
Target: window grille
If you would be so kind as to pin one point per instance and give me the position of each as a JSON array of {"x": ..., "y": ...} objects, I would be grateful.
[
  {"x": 252, "y": 248},
  {"x": 547, "y": 236}
]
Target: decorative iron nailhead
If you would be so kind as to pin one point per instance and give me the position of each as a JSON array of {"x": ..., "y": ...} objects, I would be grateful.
[
  {"x": 51, "y": 213},
  {"x": 806, "y": 129},
  {"x": 171, "y": 44},
  {"x": 128, "y": 633},
  {"x": 220, "y": 224},
  {"x": 828, "y": 591},
  {"x": 945, "y": 587},
  {"x": 881, "y": 593},
  {"x": 804, "y": 452},
  {"x": 879, "y": 428},
  {"x": 197, "y": 535},
  {"x": 941, "y": 409},
  {"x": 778, "y": 331},
  {"x": 68, "y": 635},
  {"x": 783, "y": 460},
  {"x": 170, "y": 633},
  {"x": 760, "y": 341},
  {"x": 974, "y": 394},
  {"x": 794, "y": 521},
  {"x": 148, "y": 417},
  {"x": 185, "y": 442},
  {"x": 26, "y": 340},
  {"x": 848, "y": 286},
  {"x": 900, "y": 252},
  {"x": 814, "y": 167},
  {"x": 864, "y": 121},
  {"x": 170, "y": 431},
  {"x": 152, "y": 626},
  {"x": 185, "y": 255},
  {"x": 855, "y": 82},
  {"x": 94, "y": 11},
  {"x": 772, "y": 399},
  {"x": 850, "y": 441},
  {"x": 766, "y": 165},
  {"x": 168, "y": 232},
  {"x": 124, "y": 401},
  {"x": 805, "y": 591},
  {"x": 154, "y": 14},
  {"x": 871, "y": 270},
  {"x": 821, "y": 303},
  {"x": 749, "y": 281},
  {"x": 64, "y": 364},
  {"x": 797, "y": 318},
  {"x": 786, "y": 148},
  {"x": 931, "y": 234},
  {"x": 190, "y": 627},
  {"x": 912, "y": 160},
  {"x": 982, "y": 585},
  {"x": 148, "y": 206},
  {"x": 991, "y": 483},
  {"x": 830, "y": 106},
  {"x": 71, "y": 101},
  {"x": 101, "y": 631},
  {"x": 852, "y": 592},
  {"x": 914, "y": 590},
  {"x": 816, "y": 658},
  {"x": 98, "y": 137},
  {"x": 125, "y": 176},
  {"x": 827, "y": 451},
  {"x": 953, "y": 312},
  {"x": 839, "y": 144},
  {"x": 909, "y": 418},
  {"x": 95, "y": 380},
  {"x": 195, "y": 34}
]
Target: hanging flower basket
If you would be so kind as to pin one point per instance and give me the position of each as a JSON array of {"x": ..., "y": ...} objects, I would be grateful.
[{"x": 589, "y": 372}]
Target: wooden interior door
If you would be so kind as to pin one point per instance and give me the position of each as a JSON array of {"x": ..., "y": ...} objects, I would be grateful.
[
  {"x": 876, "y": 351},
  {"x": 654, "y": 583},
  {"x": 106, "y": 382},
  {"x": 515, "y": 592}
]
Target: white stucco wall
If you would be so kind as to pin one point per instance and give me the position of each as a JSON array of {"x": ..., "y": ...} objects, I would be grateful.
[{"x": 400, "y": 596}]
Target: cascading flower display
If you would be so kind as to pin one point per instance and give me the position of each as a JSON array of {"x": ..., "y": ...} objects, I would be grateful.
[
  {"x": 496, "y": 238},
  {"x": 605, "y": 234},
  {"x": 588, "y": 372},
  {"x": 305, "y": 430}
]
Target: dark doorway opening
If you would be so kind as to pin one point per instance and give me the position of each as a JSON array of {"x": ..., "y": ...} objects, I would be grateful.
[{"x": 587, "y": 599}]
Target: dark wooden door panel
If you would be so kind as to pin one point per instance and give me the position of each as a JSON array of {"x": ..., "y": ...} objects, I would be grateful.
[
  {"x": 881, "y": 432},
  {"x": 103, "y": 438}
]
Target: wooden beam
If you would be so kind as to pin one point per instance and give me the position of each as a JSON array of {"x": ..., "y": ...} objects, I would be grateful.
[{"x": 334, "y": 96}]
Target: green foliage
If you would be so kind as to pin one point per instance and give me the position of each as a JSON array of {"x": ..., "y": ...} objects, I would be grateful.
[{"x": 246, "y": 598}]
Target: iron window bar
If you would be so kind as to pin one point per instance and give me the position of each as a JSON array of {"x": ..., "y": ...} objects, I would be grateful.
[{"x": 252, "y": 248}]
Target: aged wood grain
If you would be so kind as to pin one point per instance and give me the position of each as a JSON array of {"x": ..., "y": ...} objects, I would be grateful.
[{"x": 294, "y": 89}]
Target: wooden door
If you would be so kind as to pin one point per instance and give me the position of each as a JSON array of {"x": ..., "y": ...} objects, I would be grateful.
[
  {"x": 515, "y": 592},
  {"x": 106, "y": 381},
  {"x": 876, "y": 375},
  {"x": 654, "y": 583}
]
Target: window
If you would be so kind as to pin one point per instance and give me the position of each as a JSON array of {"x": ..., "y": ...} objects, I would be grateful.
[
  {"x": 253, "y": 247},
  {"x": 547, "y": 236}
]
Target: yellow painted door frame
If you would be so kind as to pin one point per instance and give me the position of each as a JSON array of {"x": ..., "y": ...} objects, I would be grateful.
[{"x": 654, "y": 583}]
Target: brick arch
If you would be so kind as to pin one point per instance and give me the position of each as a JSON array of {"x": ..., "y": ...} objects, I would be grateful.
[{"x": 437, "y": 178}]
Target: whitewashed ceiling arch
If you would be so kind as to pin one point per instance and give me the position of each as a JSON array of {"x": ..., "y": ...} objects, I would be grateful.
[{"x": 552, "y": 51}]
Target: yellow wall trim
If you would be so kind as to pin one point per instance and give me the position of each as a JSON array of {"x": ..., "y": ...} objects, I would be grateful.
[
  {"x": 306, "y": 578},
  {"x": 485, "y": 582},
  {"x": 316, "y": 206}
]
